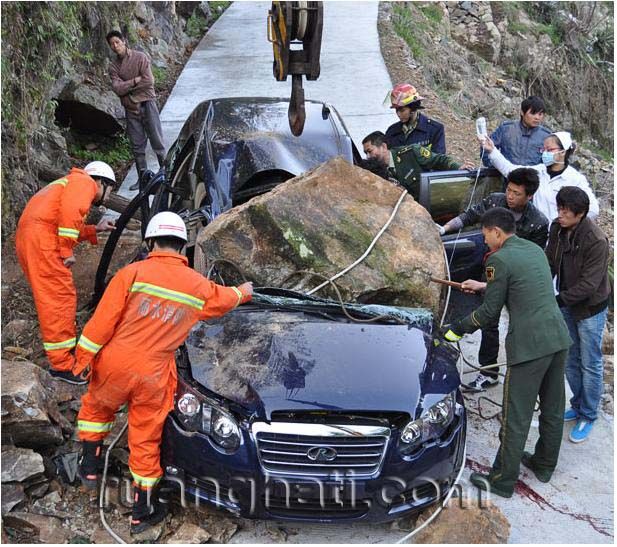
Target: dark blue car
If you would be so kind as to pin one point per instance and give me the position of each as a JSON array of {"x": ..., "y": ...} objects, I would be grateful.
[{"x": 286, "y": 408}]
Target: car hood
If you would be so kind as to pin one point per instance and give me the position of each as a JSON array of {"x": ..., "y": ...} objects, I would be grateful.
[{"x": 269, "y": 361}]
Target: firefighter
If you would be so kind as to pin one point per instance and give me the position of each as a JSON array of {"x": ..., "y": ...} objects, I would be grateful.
[
  {"x": 413, "y": 127},
  {"x": 128, "y": 348},
  {"x": 49, "y": 228}
]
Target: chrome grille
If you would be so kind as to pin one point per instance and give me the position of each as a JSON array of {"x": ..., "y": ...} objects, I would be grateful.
[{"x": 320, "y": 450}]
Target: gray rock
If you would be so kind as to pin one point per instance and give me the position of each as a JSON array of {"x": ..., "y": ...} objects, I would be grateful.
[
  {"x": 12, "y": 495},
  {"x": 16, "y": 331},
  {"x": 51, "y": 505},
  {"x": 30, "y": 416},
  {"x": 38, "y": 490},
  {"x": 189, "y": 533},
  {"x": 270, "y": 238},
  {"x": 49, "y": 529},
  {"x": 20, "y": 464}
]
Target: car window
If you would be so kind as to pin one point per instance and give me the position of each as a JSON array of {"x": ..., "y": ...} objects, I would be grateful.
[{"x": 450, "y": 195}]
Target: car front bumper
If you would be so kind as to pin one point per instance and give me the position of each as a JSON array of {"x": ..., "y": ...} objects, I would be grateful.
[{"x": 238, "y": 482}]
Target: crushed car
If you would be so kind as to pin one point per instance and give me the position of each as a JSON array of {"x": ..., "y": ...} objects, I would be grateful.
[{"x": 293, "y": 406}]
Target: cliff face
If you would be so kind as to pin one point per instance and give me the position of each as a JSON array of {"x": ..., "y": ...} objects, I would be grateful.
[{"x": 55, "y": 88}]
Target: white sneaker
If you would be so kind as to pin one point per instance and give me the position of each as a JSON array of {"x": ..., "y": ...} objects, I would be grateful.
[{"x": 480, "y": 383}]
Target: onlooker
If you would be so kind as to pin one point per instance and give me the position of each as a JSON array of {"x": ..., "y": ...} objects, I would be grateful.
[
  {"x": 518, "y": 276},
  {"x": 578, "y": 254},
  {"x": 406, "y": 163},
  {"x": 413, "y": 127},
  {"x": 133, "y": 82},
  {"x": 531, "y": 224},
  {"x": 555, "y": 172},
  {"x": 521, "y": 141}
]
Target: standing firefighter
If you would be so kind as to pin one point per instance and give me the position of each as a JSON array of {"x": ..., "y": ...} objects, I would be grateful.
[
  {"x": 49, "y": 228},
  {"x": 518, "y": 276},
  {"x": 128, "y": 345}
]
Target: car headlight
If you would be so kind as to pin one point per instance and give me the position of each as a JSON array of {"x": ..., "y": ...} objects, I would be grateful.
[
  {"x": 198, "y": 413},
  {"x": 431, "y": 425}
]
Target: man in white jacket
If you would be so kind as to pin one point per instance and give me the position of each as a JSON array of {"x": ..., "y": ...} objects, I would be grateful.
[{"x": 554, "y": 172}]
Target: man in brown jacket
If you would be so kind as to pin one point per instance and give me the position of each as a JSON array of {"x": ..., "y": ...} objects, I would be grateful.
[
  {"x": 132, "y": 80},
  {"x": 578, "y": 253}
]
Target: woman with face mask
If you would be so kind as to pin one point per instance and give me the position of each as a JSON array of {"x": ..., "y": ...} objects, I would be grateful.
[{"x": 554, "y": 172}]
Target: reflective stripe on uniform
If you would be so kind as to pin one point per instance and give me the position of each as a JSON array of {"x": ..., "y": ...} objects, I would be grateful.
[
  {"x": 89, "y": 345},
  {"x": 146, "y": 482},
  {"x": 68, "y": 232},
  {"x": 168, "y": 294},
  {"x": 239, "y": 294},
  {"x": 475, "y": 320},
  {"x": 94, "y": 427},
  {"x": 70, "y": 343},
  {"x": 62, "y": 182}
]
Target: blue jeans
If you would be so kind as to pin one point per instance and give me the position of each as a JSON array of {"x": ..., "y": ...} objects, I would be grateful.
[{"x": 584, "y": 366}]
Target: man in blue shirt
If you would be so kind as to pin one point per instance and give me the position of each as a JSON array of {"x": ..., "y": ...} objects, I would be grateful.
[
  {"x": 521, "y": 141},
  {"x": 413, "y": 127}
]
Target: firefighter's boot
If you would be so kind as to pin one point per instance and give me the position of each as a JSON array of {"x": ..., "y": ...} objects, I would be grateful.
[
  {"x": 147, "y": 510},
  {"x": 90, "y": 463}
]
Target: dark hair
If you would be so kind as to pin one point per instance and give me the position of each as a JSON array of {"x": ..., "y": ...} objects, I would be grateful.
[
  {"x": 375, "y": 166},
  {"x": 527, "y": 177},
  {"x": 499, "y": 217},
  {"x": 574, "y": 199},
  {"x": 114, "y": 34},
  {"x": 169, "y": 241},
  {"x": 376, "y": 138},
  {"x": 533, "y": 103}
]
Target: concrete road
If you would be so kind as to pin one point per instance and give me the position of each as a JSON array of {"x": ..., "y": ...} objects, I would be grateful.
[{"x": 235, "y": 59}]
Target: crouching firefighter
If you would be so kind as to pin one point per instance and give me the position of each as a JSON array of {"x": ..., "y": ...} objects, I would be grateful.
[
  {"x": 49, "y": 228},
  {"x": 127, "y": 349}
]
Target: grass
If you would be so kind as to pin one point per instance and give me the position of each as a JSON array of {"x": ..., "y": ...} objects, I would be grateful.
[
  {"x": 160, "y": 77},
  {"x": 113, "y": 150},
  {"x": 404, "y": 26},
  {"x": 515, "y": 26},
  {"x": 433, "y": 13},
  {"x": 552, "y": 31},
  {"x": 196, "y": 25}
]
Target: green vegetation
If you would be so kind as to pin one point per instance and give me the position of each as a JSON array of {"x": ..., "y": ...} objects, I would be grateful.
[
  {"x": 404, "y": 26},
  {"x": 113, "y": 150},
  {"x": 554, "y": 33},
  {"x": 516, "y": 26},
  {"x": 433, "y": 13},
  {"x": 196, "y": 25},
  {"x": 161, "y": 74}
]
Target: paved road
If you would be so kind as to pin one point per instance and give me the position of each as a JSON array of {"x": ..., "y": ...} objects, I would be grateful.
[{"x": 235, "y": 59}]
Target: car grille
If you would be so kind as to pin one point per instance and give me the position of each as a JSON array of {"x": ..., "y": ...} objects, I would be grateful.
[
  {"x": 315, "y": 509},
  {"x": 321, "y": 450}
]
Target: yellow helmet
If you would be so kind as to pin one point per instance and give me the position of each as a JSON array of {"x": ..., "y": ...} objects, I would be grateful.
[{"x": 404, "y": 95}]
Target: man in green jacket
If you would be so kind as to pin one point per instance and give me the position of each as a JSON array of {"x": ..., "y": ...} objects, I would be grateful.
[
  {"x": 406, "y": 163},
  {"x": 518, "y": 276}
]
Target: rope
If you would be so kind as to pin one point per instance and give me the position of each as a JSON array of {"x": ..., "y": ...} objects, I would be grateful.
[{"x": 366, "y": 253}]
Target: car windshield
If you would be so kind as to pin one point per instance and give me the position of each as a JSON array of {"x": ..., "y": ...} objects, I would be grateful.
[{"x": 285, "y": 299}]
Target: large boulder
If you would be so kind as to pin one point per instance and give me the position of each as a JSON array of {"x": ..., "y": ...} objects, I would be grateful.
[
  {"x": 20, "y": 464},
  {"x": 323, "y": 221},
  {"x": 30, "y": 414}
]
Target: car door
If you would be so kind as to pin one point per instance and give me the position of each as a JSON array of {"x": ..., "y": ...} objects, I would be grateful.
[{"x": 446, "y": 194}]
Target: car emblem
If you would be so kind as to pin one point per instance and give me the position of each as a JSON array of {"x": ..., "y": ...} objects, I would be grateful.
[{"x": 321, "y": 454}]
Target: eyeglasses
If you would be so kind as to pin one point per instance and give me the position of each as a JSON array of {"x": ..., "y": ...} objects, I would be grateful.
[{"x": 551, "y": 149}]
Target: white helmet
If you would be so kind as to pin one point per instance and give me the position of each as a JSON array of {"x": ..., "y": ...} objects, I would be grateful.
[
  {"x": 100, "y": 169},
  {"x": 166, "y": 224}
]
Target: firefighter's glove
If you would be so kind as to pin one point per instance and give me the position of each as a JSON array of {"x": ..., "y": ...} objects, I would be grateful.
[{"x": 82, "y": 371}]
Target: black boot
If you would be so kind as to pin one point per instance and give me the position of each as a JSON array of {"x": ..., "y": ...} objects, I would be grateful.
[
  {"x": 90, "y": 463},
  {"x": 147, "y": 510},
  {"x": 136, "y": 186}
]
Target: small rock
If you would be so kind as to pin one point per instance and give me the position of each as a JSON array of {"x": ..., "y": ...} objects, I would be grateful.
[
  {"x": 15, "y": 330},
  {"x": 49, "y": 529},
  {"x": 91, "y": 146},
  {"x": 12, "y": 495},
  {"x": 19, "y": 464},
  {"x": 51, "y": 505},
  {"x": 189, "y": 533},
  {"x": 462, "y": 521}
]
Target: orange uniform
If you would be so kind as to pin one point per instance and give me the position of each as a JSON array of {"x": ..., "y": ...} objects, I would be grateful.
[
  {"x": 50, "y": 226},
  {"x": 145, "y": 314}
]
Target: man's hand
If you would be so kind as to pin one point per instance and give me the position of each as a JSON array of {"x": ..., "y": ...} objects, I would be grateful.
[
  {"x": 246, "y": 288},
  {"x": 487, "y": 144},
  {"x": 471, "y": 286},
  {"x": 69, "y": 261},
  {"x": 451, "y": 333},
  {"x": 468, "y": 164},
  {"x": 136, "y": 80},
  {"x": 442, "y": 229},
  {"x": 105, "y": 225}
]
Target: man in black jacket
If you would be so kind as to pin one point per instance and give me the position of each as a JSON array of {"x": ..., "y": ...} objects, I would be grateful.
[
  {"x": 578, "y": 253},
  {"x": 531, "y": 224}
]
